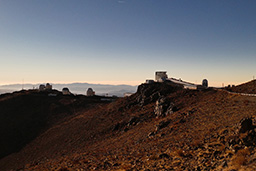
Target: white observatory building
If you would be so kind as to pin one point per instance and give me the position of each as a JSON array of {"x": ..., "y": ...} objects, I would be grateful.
[
  {"x": 65, "y": 91},
  {"x": 90, "y": 92},
  {"x": 160, "y": 76}
]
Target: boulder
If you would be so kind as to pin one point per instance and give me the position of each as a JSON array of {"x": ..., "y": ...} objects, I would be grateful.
[
  {"x": 245, "y": 125},
  {"x": 164, "y": 107},
  {"x": 172, "y": 108}
]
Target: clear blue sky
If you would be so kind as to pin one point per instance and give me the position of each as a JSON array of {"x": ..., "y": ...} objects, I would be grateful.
[{"x": 126, "y": 41}]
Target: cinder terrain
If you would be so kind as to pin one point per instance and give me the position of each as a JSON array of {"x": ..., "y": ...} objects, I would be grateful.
[
  {"x": 249, "y": 87},
  {"x": 160, "y": 127}
]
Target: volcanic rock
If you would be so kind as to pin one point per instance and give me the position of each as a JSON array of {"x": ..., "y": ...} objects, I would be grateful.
[
  {"x": 246, "y": 125},
  {"x": 164, "y": 107}
]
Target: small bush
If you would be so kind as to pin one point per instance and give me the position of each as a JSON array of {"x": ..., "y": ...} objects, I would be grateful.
[{"x": 241, "y": 157}]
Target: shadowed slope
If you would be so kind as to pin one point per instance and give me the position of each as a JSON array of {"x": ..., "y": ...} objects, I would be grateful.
[{"x": 26, "y": 114}]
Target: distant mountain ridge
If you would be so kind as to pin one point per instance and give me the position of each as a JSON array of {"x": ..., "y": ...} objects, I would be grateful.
[{"x": 76, "y": 88}]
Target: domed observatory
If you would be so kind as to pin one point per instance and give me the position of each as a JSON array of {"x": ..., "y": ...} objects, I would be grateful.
[
  {"x": 65, "y": 91},
  {"x": 48, "y": 86},
  {"x": 205, "y": 82},
  {"x": 41, "y": 87},
  {"x": 90, "y": 92}
]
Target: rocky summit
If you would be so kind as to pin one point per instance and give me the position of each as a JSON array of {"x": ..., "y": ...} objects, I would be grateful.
[{"x": 160, "y": 127}]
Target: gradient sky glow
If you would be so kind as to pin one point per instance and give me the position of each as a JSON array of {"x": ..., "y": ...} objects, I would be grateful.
[{"x": 126, "y": 41}]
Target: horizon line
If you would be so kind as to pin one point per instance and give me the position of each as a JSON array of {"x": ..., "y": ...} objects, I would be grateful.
[{"x": 115, "y": 84}]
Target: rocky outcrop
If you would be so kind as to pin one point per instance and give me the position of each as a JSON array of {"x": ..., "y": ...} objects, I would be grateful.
[
  {"x": 148, "y": 93},
  {"x": 229, "y": 149},
  {"x": 246, "y": 125},
  {"x": 145, "y": 97},
  {"x": 164, "y": 107},
  {"x": 247, "y": 132},
  {"x": 232, "y": 150}
]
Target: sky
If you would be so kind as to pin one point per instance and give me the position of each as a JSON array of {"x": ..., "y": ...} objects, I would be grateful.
[{"x": 126, "y": 41}]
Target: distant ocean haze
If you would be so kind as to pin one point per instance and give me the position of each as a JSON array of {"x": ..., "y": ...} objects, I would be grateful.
[
  {"x": 2, "y": 91},
  {"x": 76, "y": 88}
]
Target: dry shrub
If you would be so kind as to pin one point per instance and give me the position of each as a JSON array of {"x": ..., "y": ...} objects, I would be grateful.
[
  {"x": 240, "y": 160},
  {"x": 244, "y": 152},
  {"x": 241, "y": 157}
]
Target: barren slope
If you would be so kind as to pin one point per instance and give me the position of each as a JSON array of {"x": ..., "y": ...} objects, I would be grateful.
[
  {"x": 248, "y": 87},
  {"x": 160, "y": 127},
  {"x": 27, "y": 114}
]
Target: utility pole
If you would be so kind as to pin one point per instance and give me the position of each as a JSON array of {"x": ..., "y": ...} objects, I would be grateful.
[
  {"x": 253, "y": 78},
  {"x": 22, "y": 84}
]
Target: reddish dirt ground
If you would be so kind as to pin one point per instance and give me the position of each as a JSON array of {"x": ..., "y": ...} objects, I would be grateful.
[{"x": 202, "y": 132}]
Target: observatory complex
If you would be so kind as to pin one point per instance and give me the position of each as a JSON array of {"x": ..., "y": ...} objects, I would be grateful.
[
  {"x": 161, "y": 76},
  {"x": 43, "y": 87}
]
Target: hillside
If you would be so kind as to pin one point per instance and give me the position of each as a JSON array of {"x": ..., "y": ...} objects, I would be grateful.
[
  {"x": 26, "y": 114},
  {"x": 160, "y": 127},
  {"x": 249, "y": 88}
]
